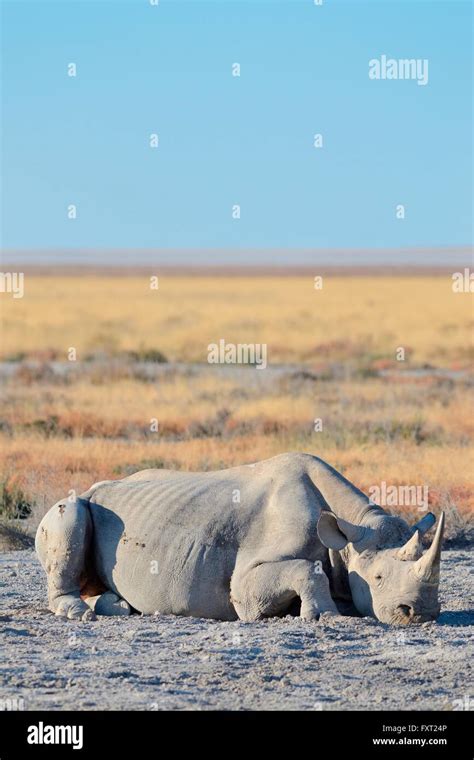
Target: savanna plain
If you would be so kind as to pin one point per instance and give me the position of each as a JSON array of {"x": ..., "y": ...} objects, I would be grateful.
[{"x": 105, "y": 373}]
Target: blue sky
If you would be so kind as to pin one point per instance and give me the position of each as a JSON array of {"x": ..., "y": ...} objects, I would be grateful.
[{"x": 226, "y": 140}]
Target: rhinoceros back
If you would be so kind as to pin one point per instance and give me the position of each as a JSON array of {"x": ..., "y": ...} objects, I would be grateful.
[{"x": 168, "y": 545}]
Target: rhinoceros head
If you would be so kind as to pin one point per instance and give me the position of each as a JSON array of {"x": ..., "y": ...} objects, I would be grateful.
[{"x": 390, "y": 577}]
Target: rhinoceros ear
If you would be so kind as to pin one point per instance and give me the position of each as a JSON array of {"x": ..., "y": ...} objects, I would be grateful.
[
  {"x": 425, "y": 523},
  {"x": 336, "y": 533}
]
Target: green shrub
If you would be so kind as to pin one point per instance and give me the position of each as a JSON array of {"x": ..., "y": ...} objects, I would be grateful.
[{"x": 13, "y": 503}]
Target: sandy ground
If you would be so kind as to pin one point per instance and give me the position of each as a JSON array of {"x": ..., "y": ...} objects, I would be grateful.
[{"x": 163, "y": 662}]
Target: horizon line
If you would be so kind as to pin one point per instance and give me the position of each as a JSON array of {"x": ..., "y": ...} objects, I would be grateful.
[{"x": 236, "y": 258}]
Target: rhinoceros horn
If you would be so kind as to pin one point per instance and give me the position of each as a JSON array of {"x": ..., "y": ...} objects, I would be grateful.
[
  {"x": 427, "y": 567},
  {"x": 413, "y": 549}
]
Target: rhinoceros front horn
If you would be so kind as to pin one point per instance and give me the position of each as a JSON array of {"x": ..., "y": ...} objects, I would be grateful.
[{"x": 427, "y": 567}]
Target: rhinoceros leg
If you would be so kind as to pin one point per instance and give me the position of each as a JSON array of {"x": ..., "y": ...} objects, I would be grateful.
[
  {"x": 269, "y": 588},
  {"x": 61, "y": 542},
  {"x": 108, "y": 603}
]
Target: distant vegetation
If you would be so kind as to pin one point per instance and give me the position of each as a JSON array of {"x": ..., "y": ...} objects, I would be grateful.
[{"x": 360, "y": 321}]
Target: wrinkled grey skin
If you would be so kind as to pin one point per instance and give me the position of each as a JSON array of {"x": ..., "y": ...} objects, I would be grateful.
[{"x": 245, "y": 543}]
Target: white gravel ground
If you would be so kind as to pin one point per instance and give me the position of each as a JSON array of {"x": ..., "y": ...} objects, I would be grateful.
[{"x": 165, "y": 662}]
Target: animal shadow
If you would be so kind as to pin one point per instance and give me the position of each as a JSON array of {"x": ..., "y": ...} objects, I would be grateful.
[{"x": 456, "y": 618}]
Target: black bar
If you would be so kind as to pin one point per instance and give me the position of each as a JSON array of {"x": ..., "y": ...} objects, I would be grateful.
[{"x": 377, "y": 734}]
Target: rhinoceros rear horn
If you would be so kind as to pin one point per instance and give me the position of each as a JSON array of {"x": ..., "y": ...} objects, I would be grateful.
[
  {"x": 413, "y": 549},
  {"x": 427, "y": 567}
]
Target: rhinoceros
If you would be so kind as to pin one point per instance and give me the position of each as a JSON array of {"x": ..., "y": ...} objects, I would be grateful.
[{"x": 245, "y": 543}]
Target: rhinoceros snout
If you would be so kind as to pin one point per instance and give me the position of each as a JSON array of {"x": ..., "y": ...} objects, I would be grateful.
[
  {"x": 406, "y": 614},
  {"x": 405, "y": 610}
]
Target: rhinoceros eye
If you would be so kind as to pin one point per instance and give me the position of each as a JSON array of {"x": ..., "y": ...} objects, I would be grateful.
[{"x": 378, "y": 577}]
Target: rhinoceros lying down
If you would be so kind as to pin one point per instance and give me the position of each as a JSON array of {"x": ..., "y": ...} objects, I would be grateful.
[{"x": 239, "y": 543}]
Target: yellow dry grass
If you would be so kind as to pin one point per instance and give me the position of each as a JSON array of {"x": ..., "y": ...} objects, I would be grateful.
[
  {"x": 349, "y": 318},
  {"x": 58, "y": 438}
]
